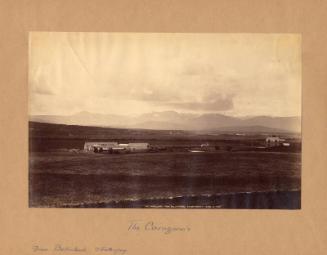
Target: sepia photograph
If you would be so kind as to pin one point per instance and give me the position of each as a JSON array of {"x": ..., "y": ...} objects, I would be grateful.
[{"x": 164, "y": 120}]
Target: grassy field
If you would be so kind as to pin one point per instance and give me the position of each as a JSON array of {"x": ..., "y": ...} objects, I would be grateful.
[{"x": 59, "y": 179}]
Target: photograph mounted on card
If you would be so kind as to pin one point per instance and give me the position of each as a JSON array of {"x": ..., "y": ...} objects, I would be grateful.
[{"x": 164, "y": 120}]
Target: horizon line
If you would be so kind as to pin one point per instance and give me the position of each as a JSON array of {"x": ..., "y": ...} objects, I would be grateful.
[{"x": 178, "y": 112}]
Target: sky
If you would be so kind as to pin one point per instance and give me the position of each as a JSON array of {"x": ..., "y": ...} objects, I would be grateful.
[{"x": 136, "y": 73}]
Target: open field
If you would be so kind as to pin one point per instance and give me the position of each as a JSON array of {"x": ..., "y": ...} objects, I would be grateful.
[{"x": 59, "y": 179}]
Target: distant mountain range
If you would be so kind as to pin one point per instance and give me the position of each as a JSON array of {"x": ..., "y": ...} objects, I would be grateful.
[{"x": 171, "y": 120}]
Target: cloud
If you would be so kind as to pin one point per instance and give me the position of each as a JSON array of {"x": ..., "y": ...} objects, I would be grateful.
[
  {"x": 153, "y": 95},
  {"x": 126, "y": 73},
  {"x": 213, "y": 102}
]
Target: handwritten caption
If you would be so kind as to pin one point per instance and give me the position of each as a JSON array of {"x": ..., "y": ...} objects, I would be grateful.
[
  {"x": 63, "y": 248},
  {"x": 150, "y": 226}
]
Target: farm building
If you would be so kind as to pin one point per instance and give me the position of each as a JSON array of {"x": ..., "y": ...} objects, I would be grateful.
[
  {"x": 113, "y": 147},
  {"x": 138, "y": 146},
  {"x": 90, "y": 146},
  {"x": 273, "y": 141}
]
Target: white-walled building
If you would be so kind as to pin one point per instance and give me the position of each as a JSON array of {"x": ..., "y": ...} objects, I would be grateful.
[
  {"x": 114, "y": 146},
  {"x": 89, "y": 146}
]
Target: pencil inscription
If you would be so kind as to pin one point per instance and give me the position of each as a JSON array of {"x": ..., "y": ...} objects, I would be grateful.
[
  {"x": 60, "y": 248},
  {"x": 151, "y": 226}
]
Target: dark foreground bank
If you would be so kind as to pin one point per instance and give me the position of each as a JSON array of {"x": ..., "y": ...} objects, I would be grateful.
[{"x": 253, "y": 200}]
